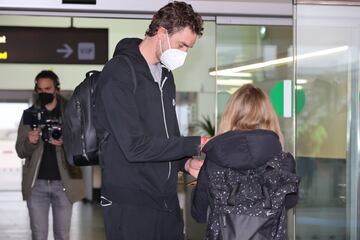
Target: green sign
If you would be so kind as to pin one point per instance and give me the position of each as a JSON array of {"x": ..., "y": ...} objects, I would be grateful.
[{"x": 282, "y": 100}]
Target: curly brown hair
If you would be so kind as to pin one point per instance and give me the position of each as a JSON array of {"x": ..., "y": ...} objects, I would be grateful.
[{"x": 174, "y": 17}]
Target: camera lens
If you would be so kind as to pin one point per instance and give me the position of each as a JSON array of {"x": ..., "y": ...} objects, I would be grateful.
[{"x": 56, "y": 134}]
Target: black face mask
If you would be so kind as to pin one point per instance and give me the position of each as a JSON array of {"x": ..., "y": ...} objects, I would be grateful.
[{"x": 45, "y": 98}]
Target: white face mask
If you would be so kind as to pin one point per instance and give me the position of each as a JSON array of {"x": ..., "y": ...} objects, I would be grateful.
[{"x": 172, "y": 58}]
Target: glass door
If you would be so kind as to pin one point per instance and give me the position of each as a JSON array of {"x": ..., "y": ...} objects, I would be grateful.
[
  {"x": 261, "y": 54},
  {"x": 327, "y": 133}
]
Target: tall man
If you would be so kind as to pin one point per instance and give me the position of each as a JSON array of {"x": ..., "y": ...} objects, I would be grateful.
[
  {"x": 143, "y": 150},
  {"x": 47, "y": 178}
]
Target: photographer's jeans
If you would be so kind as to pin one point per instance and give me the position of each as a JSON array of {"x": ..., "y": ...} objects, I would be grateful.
[{"x": 44, "y": 194}]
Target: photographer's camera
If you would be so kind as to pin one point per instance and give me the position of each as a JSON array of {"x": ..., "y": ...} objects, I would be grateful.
[
  {"x": 51, "y": 131},
  {"x": 50, "y": 127}
]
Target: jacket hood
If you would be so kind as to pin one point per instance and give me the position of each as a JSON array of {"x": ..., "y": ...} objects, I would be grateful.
[
  {"x": 243, "y": 149},
  {"x": 128, "y": 46}
]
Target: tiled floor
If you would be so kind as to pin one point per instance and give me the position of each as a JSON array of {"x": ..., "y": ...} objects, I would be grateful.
[{"x": 87, "y": 223}]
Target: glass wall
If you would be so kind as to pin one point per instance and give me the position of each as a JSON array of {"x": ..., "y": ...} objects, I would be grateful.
[
  {"x": 327, "y": 50},
  {"x": 260, "y": 55},
  {"x": 318, "y": 108}
]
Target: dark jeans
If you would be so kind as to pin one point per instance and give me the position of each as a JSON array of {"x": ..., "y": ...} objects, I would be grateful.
[
  {"x": 130, "y": 222},
  {"x": 43, "y": 195}
]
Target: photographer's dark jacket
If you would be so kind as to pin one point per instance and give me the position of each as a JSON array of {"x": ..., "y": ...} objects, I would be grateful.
[
  {"x": 71, "y": 177},
  {"x": 144, "y": 151}
]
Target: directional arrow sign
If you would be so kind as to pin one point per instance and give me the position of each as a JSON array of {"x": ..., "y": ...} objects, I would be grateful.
[
  {"x": 53, "y": 45},
  {"x": 67, "y": 50}
]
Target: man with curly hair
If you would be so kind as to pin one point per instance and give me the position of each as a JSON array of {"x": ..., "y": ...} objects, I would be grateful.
[{"x": 142, "y": 150}]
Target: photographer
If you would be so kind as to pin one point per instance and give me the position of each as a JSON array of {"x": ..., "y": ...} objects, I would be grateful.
[{"x": 47, "y": 178}]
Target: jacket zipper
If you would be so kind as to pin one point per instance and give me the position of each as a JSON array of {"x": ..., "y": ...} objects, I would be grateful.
[{"x": 161, "y": 85}]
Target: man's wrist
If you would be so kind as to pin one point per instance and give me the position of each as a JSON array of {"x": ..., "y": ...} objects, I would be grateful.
[{"x": 204, "y": 139}]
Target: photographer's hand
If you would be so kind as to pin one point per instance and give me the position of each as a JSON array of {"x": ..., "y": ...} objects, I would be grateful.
[
  {"x": 56, "y": 142},
  {"x": 34, "y": 136}
]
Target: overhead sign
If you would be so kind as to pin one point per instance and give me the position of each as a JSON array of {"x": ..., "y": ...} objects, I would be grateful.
[
  {"x": 53, "y": 45},
  {"x": 80, "y": 1}
]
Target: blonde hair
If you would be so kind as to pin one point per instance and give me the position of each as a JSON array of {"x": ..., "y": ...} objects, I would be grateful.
[{"x": 249, "y": 108}]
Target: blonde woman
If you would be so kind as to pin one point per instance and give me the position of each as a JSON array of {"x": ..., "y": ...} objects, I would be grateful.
[{"x": 247, "y": 181}]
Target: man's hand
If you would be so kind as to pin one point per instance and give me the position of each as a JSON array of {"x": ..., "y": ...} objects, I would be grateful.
[
  {"x": 56, "y": 142},
  {"x": 34, "y": 136},
  {"x": 193, "y": 166}
]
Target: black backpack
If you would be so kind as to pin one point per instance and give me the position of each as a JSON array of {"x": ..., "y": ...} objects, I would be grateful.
[
  {"x": 81, "y": 142},
  {"x": 250, "y": 205}
]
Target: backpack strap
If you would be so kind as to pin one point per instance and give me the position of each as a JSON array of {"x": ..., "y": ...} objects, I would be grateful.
[
  {"x": 132, "y": 71},
  {"x": 91, "y": 72}
]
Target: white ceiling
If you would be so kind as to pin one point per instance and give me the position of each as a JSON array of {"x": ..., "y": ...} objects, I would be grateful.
[
  {"x": 106, "y": 8},
  {"x": 248, "y": 1}
]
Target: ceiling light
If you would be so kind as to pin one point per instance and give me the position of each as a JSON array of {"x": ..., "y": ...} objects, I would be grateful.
[
  {"x": 230, "y": 74},
  {"x": 233, "y": 82},
  {"x": 301, "y": 81},
  {"x": 236, "y": 70}
]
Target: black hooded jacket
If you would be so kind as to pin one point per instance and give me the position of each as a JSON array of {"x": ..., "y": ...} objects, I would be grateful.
[
  {"x": 144, "y": 150},
  {"x": 242, "y": 150}
]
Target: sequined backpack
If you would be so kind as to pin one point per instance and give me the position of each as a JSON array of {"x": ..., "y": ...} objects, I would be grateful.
[{"x": 250, "y": 204}]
